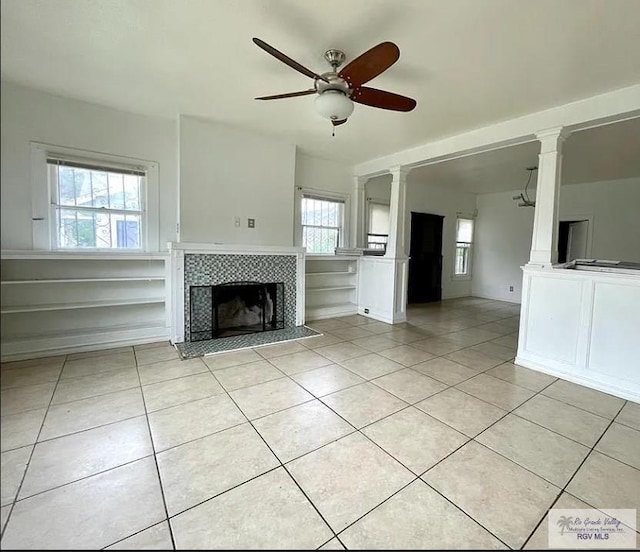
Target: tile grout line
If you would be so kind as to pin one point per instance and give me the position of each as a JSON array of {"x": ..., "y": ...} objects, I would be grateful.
[
  {"x": 280, "y": 461},
  {"x": 24, "y": 474},
  {"x": 155, "y": 457},
  {"x": 368, "y": 352},
  {"x": 563, "y": 489},
  {"x": 83, "y": 478},
  {"x": 416, "y": 477}
]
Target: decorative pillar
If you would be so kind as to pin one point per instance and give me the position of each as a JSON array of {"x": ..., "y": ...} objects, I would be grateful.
[
  {"x": 544, "y": 244},
  {"x": 359, "y": 193},
  {"x": 397, "y": 213}
]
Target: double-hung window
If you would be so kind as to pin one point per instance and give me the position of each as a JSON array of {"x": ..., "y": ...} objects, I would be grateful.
[
  {"x": 95, "y": 206},
  {"x": 323, "y": 223},
  {"x": 464, "y": 242}
]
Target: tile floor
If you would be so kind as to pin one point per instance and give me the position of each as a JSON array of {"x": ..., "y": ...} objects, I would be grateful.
[{"x": 420, "y": 435}]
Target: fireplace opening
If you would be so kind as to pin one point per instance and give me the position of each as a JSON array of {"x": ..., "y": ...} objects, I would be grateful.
[{"x": 235, "y": 308}]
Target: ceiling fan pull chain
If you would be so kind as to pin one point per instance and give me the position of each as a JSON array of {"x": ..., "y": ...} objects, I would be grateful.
[{"x": 333, "y": 131}]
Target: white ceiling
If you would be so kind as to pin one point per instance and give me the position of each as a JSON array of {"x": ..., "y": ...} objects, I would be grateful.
[
  {"x": 468, "y": 63},
  {"x": 608, "y": 152}
]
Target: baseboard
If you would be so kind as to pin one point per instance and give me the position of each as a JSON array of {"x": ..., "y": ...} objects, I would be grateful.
[
  {"x": 494, "y": 298},
  {"x": 40, "y": 347},
  {"x": 320, "y": 313},
  {"x": 598, "y": 384},
  {"x": 380, "y": 317},
  {"x": 455, "y": 295}
]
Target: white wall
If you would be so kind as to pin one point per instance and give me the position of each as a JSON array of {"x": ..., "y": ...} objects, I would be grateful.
[
  {"x": 503, "y": 243},
  {"x": 615, "y": 206},
  {"x": 430, "y": 197},
  {"x": 379, "y": 189},
  {"x": 322, "y": 174},
  {"x": 504, "y": 230},
  {"x": 30, "y": 115},
  {"x": 225, "y": 173}
]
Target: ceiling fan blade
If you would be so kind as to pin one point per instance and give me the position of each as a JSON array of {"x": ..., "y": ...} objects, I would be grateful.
[
  {"x": 337, "y": 122},
  {"x": 382, "y": 99},
  {"x": 370, "y": 64},
  {"x": 289, "y": 95},
  {"x": 286, "y": 59}
]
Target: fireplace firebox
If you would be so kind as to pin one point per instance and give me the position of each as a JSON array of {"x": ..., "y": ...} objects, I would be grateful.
[{"x": 235, "y": 308}]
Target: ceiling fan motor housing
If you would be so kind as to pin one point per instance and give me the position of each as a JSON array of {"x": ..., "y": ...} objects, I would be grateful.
[
  {"x": 335, "y": 58},
  {"x": 335, "y": 83}
]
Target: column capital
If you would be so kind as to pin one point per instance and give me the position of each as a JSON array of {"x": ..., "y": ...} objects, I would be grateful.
[
  {"x": 399, "y": 171},
  {"x": 551, "y": 139},
  {"x": 360, "y": 181}
]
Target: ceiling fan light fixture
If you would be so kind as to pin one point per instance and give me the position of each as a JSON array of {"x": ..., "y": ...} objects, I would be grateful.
[{"x": 334, "y": 105}]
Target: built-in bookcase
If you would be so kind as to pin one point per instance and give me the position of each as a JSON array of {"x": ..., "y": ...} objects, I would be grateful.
[
  {"x": 56, "y": 303},
  {"x": 330, "y": 286}
]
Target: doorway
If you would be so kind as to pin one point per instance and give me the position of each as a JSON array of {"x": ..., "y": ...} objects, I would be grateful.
[
  {"x": 572, "y": 240},
  {"x": 425, "y": 263}
]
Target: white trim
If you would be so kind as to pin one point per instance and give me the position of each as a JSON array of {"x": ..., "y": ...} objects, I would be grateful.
[
  {"x": 579, "y": 217},
  {"x": 330, "y": 196},
  {"x": 176, "y": 280},
  {"x": 42, "y": 225},
  {"x": 377, "y": 315},
  {"x": 559, "y": 370},
  {"x": 610, "y": 107},
  {"x": 80, "y": 255},
  {"x": 213, "y": 248},
  {"x": 574, "y": 362},
  {"x": 468, "y": 276},
  {"x": 45, "y": 346},
  {"x": 487, "y": 296},
  {"x": 177, "y": 252}
]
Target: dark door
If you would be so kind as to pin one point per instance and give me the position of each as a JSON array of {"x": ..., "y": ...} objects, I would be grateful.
[{"x": 425, "y": 264}]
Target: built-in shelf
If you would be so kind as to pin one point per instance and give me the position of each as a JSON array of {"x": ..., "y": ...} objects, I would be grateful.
[
  {"x": 333, "y": 288},
  {"x": 81, "y": 305},
  {"x": 330, "y": 286},
  {"x": 336, "y": 273},
  {"x": 80, "y": 256},
  {"x": 329, "y": 311},
  {"x": 84, "y": 280},
  {"x": 154, "y": 326},
  {"x": 59, "y": 302}
]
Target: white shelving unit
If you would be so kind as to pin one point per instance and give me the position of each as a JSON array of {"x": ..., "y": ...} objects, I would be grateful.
[
  {"x": 57, "y": 303},
  {"x": 330, "y": 286}
]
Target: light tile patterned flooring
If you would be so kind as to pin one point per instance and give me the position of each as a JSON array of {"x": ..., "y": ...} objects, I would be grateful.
[{"x": 420, "y": 435}]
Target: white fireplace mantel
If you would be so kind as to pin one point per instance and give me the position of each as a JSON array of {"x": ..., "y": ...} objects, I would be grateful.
[{"x": 178, "y": 250}]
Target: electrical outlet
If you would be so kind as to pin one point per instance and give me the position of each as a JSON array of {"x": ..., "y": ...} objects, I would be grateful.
[
  {"x": 366, "y": 311},
  {"x": 251, "y": 223},
  {"x": 236, "y": 222},
  {"x": 510, "y": 288}
]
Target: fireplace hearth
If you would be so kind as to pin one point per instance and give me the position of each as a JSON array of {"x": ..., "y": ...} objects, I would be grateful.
[{"x": 235, "y": 308}]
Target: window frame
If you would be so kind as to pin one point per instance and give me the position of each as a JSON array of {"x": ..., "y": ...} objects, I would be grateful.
[
  {"x": 469, "y": 247},
  {"x": 323, "y": 195},
  {"x": 44, "y": 208}
]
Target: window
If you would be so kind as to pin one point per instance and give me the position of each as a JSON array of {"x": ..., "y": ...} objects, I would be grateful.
[
  {"x": 323, "y": 225},
  {"x": 96, "y": 207},
  {"x": 464, "y": 240},
  {"x": 378, "y": 225}
]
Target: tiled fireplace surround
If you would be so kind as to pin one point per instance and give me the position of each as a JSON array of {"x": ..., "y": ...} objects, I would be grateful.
[{"x": 209, "y": 264}]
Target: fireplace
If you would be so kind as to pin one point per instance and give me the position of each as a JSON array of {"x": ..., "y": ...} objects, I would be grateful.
[{"x": 235, "y": 308}]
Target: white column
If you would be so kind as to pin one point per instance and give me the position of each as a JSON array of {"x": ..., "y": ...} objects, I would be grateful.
[
  {"x": 397, "y": 212},
  {"x": 544, "y": 244},
  {"x": 358, "y": 230}
]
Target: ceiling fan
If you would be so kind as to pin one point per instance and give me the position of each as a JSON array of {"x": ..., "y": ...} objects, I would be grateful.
[{"x": 338, "y": 90}]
